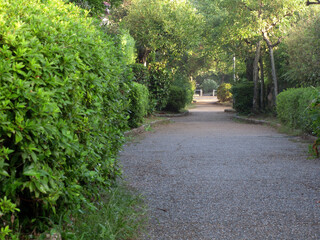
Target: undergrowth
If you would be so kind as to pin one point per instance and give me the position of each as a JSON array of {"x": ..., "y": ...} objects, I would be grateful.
[{"x": 120, "y": 214}]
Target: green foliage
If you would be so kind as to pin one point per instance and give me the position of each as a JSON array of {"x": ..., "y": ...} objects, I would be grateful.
[
  {"x": 183, "y": 81},
  {"x": 209, "y": 85},
  {"x": 168, "y": 28},
  {"x": 160, "y": 81},
  {"x": 224, "y": 92},
  {"x": 120, "y": 214},
  {"x": 177, "y": 98},
  {"x": 315, "y": 114},
  {"x": 63, "y": 109},
  {"x": 314, "y": 111},
  {"x": 293, "y": 107},
  {"x": 303, "y": 52},
  {"x": 96, "y": 7},
  {"x": 141, "y": 74},
  {"x": 8, "y": 221},
  {"x": 128, "y": 47},
  {"x": 139, "y": 104},
  {"x": 242, "y": 93}
]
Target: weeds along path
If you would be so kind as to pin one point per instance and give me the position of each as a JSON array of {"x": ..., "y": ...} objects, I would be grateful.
[{"x": 206, "y": 176}]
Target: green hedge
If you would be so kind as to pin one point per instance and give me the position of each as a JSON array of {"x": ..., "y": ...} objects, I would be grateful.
[
  {"x": 224, "y": 92},
  {"x": 242, "y": 93},
  {"x": 293, "y": 107},
  {"x": 315, "y": 115},
  {"x": 63, "y": 109},
  {"x": 141, "y": 74},
  {"x": 160, "y": 82},
  {"x": 177, "y": 98},
  {"x": 209, "y": 85},
  {"x": 139, "y": 104}
]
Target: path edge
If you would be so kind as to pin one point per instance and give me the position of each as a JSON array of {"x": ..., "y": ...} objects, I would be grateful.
[
  {"x": 271, "y": 124},
  {"x": 142, "y": 128}
]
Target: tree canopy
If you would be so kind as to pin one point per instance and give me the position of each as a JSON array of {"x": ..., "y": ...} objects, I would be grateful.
[{"x": 166, "y": 28}]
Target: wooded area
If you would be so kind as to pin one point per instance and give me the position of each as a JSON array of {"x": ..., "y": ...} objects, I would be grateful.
[{"x": 75, "y": 75}]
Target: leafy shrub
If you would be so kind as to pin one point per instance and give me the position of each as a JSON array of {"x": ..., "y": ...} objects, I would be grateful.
[
  {"x": 315, "y": 114},
  {"x": 160, "y": 81},
  {"x": 209, "y": 85},
  {"x": 9, "y": 224},
  {"x": 96, "y": 7},
  {"x": 314, "y": 111},
  {"x": 177, "y": 98},
  {"x": 183, "y": 81},
  {"x": 139, "y": 104},
  {"x": 223, "y": 92},
  {"x": 63, "y": 109},
  {"x": 302, "y": 51},
  {"x": 242, "y": 93},
  {"x": 141, "y": 74},
  {"x": 128, "y": 47},
  {"x": 293, "y": 107}
]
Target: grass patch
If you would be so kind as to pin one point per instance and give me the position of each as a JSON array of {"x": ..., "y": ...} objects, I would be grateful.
[
  {"x": 291, "y": 131},
  {"x": 121, "y": 214}
]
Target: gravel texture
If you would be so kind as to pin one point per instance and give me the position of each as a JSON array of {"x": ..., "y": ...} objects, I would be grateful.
[{"x": 206, "y": 176}]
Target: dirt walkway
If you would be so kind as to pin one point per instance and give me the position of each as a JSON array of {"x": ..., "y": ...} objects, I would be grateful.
[{"x": 206, "y": 176}]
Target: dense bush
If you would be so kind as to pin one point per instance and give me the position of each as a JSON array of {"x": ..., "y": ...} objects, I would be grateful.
[
  {"x": 128, "y": 47},
  {"x": 183, "y": 81},
  {"x": 141, "y": 74},
  {"x": 315, "y": 114},
  {"x": 242, "y": 93},
  {"x": 160, "y": 81},
  {"x": 9, "y": 225},
  {"x": 223, "y": 92},
  {"x": 63, "y": 109},
  {"x": 209, "y": 85},
  {"x": 301, "y": 47},
  {"x": 139, "y": 104},
  {"x": 314, "y": 111},
  {"x": 96, "y": 7},
  {"x": 293, "y": 107},
  {"x": 177, "y": 98}
]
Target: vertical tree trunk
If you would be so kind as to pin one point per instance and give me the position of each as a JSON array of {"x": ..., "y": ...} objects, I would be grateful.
[
  {"x": 249, "y": 67},
  {"x": 262, "y": 83},
  {"x": 273, "y": 67},
  {"x": 256, "y": 78},
  {"x": 274, "y": 74},
  {"x": 234, "y": 68}
]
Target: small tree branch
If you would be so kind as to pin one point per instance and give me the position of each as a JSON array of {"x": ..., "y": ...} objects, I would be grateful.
[
  {"x": 309, "y": 3},
  {"x": 277, "y": 43},
  {"x": 246, "y": 6}
]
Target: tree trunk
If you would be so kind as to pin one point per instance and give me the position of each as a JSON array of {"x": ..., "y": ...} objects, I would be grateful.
[
  {"x": 249, "y": 68},
  {"x": 256, "y": 78},
  {"x": 273, "y": 67},
  {"x": 274, "y": 75},
  {"x": 262, "y": 83},
  {"x": 143, "y": 54}
]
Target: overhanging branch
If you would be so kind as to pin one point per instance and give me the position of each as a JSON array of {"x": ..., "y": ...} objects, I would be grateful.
[{"x": 309, "y": 3}]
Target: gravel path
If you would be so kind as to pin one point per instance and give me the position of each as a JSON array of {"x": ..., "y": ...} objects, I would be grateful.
[{"x": 206, "y": 176}]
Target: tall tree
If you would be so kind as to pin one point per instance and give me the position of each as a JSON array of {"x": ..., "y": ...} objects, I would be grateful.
[
  {"x": 165, "y": 28},
  {"x": 254, "y": 20}
]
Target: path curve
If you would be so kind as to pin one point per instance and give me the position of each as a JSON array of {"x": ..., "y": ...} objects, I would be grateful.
[{"x": 208, "y": 177}]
